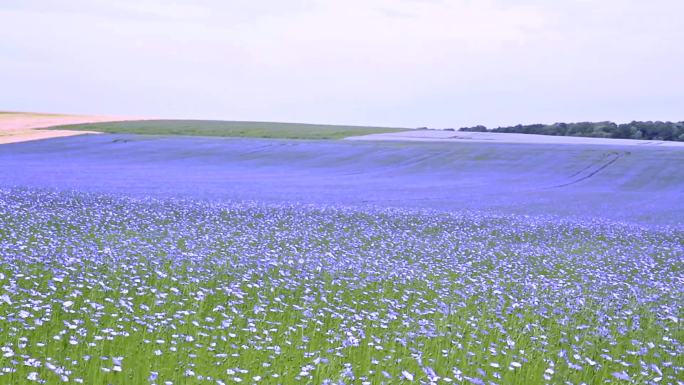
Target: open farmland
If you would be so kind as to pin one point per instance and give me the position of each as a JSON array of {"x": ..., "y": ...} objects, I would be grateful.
[
  {"x": 188, "y": 260},
  {"x": 353, "y": 221},
  {"x": 102, "y": 289},
  {"x": 634, "y": 184}
]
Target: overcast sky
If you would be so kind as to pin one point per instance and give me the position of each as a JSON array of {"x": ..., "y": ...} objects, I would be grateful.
[{"x": 381, "y": 62}]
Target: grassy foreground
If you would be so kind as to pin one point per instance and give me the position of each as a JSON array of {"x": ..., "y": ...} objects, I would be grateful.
[
  {"x": 106, "y": 290},
  {"x": 230, "y": 129}
]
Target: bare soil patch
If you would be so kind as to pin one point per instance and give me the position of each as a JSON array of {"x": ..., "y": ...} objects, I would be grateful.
[{"x": 24, "y": 126}]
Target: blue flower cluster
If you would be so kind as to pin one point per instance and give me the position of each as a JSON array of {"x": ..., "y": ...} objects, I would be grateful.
[{"x": 100, "y": 289}]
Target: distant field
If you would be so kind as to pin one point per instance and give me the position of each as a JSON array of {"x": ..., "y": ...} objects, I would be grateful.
[
  {"x": 445, "y": 136},
  {"x": 642, "y": 184},
  {"x": 230, "y": 129}
]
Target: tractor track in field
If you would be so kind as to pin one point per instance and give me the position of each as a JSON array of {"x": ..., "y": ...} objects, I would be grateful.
[{"x": 592, "y": 169}]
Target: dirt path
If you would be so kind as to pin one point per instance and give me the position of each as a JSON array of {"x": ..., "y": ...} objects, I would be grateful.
[{"x": 24, "y": 126}]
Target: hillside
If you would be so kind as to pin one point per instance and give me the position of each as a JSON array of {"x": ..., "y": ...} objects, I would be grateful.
[
  {"x": 632, "y": 183},
  {"x": 222, "y": 128}
]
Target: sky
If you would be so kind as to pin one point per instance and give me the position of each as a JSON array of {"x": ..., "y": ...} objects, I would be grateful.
[{"x": 403, "y": 63}]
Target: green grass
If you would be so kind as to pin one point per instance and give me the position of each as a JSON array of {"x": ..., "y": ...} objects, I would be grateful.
[{"x": 230, "y": 129}]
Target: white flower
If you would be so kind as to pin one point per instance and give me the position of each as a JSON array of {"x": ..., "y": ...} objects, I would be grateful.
[
  {"x": 7, "y": 352},
  {"x": 407, "y": 375}
]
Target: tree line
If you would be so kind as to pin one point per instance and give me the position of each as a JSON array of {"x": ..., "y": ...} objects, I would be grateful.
[{"x": 635, "y": 130}]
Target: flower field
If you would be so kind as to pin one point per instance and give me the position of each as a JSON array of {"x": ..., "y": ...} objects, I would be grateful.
[{"x": 105, "y": 289}]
